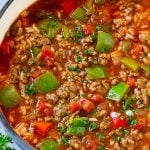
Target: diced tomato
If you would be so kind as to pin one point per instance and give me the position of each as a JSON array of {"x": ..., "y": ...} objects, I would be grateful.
[
  {"x": 141, "y": 122},
  {"x": 25, "y": 21},
  {"x": 87, "y": 105},
  {"x": 45, "y": 108},
  {"x": 42, "y": 127},
  {"x": 74, "y": 106},
  {"x": 91, "y": 142},
  {"x": 89, "y": 28},
  {"x": 46, "y": 53},
  {"x": 4, "y": 64},
  {"x": 131, "y": 81},
  {"x": 36, "y": 73},
  {"x": 97, "y": 99},
  {"x": 113, "y": 69},
  {"x": 135, "y": 51},
  {"x": 41, "y": 105},
  {"x": 7, "y": 46},
  {"x": 69, "y": 6},
  {"x": 118, "y": 120}
]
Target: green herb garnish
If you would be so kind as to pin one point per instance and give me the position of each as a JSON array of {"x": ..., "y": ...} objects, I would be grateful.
[
  {"x": 123, "y": 132},
  {"x": 127, "y": 104},
  {"x": 94, "y": 36},
  {"x": 139, "y": 102},
  {"x": 92, "y": 126},
  {"x": 118, "y": 139},
  {"x": 100, "y": 147},
  {"x": 78, "y": 58},
  {"x": 78, "y": 34},
  {"x": 4, "y": 141},
  {"x": 132, "y": 122},
  {"x": 30, "y": 89},
  {"x": 64, "y": 140},
  {"x": 101, "y": 136},
  {"x": 72, "y": 68},
  {"x": 87, "y": 52},
  {"x": 61, "y": 129}
]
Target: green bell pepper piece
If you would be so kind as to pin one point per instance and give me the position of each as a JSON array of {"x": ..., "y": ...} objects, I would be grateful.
[
  {"x": 117, "y": 91},
  {"x": 49, "y": 26},
  {"x": 46, "y": 83},
  {"x": 79, "y": 14},
  {"x": 76, "y": 131},
  {"x": 146, "y": 68},
  {"x": 130, "y": 63},
  {"x": 89, "y": 6},
  {"x": 66, "y": 33},
  {"x": 9, "y": 96},
  {"x": 95, "y": 72},
  {"x": 105, "y": 42},
  {"x": 48, "y": 144},
  {"x": 77, "y": 126},
  {"x": 35, "y": 51},
  {"x": 79, "y": 121}
]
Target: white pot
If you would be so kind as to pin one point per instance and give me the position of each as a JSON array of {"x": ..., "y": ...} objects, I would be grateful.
[{"x": 9, "y": 11}]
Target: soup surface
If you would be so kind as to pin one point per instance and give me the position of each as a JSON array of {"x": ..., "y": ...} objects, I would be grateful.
[{"x": 75, "y": 74}]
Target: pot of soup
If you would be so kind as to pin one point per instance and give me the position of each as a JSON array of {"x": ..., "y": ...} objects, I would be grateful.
[{"x": 75, "y": 74}]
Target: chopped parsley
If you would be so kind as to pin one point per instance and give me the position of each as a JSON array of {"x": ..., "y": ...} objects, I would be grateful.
[
  {"x": 101, "y": 136},
  {"x": 92, "y": 126},
  {"x": 4, "y": 141},
  {"x": 78, "y": 34},
  {"x": 94, "y": 36},
  {"x": 31, "y": 89},
  {"x": 87, "y": 52},
  {"x": 64, "y": 140},
  {"x": 31, "y": 62},
  {"x": 127, "y": 104},
  {"x": 123, "y": 132},
  {"x": 72, "y": 68},
  {"x": 78, "y": 58},
  {"x": 100, "y": 147},
  {"x": 139, "y": 102},
  {"x": 61, "y": 129},
  {"x": 118, "y": 139},
  {"x": 133, "y": 122}
]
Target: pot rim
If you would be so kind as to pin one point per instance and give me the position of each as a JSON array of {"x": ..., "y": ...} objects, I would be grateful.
[{"x": 7, "y": 17}]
